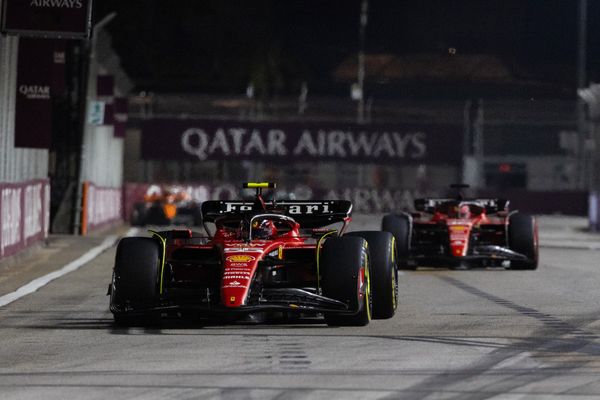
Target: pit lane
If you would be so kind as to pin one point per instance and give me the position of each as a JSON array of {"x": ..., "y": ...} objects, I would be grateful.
[{"x": 478, "y": 334}]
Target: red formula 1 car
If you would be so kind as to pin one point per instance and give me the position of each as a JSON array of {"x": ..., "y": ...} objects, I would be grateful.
[
  {"x": 258, "y": 256},
  {"x": 463, "y": 232}
]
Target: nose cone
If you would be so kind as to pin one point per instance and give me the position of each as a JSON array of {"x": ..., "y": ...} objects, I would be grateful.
[
  {"x": 238, "y": 271},
  {"x": 459, "y": 239}
]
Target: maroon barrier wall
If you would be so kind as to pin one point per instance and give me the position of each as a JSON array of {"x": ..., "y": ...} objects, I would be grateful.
[
  {"x": 372, "y": 200},
  {"x": 102, "y": 206},
  {"x": 24, "y": 215}
]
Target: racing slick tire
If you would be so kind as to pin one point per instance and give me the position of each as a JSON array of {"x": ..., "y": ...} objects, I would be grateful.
[
  {"x": 523, "y": 238},
  {"x": 135, "y": 280},
  {"x": 344, "y": 265},
  {"x": 384, "y": 274},
  {"x": 399, "y": 226}
]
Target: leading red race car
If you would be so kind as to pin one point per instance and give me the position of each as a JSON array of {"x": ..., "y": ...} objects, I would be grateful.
[
  {"x": 259, "y": 256},
  {"x": 461, "y": 232}
]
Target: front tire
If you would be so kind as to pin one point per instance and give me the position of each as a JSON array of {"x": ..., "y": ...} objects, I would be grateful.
[
  {"x": 523, "y": 238},
  {"x": 345, "y": 277},
  {"x": 384, "y": 274},
  {"x": 135, "y": 280}
]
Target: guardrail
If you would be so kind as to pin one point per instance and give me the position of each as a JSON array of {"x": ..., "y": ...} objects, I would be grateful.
[{"x": 24, "y": 214}]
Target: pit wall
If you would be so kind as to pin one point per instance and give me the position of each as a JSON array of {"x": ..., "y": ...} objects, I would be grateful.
[
  {"x": 101, "y": 207},
  {"x": 24, "y": 215}
]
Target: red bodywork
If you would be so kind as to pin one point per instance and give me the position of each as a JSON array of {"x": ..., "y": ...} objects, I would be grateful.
[
  {"x": 258, "y": 257},
  {"x": 453, "y": 231},
  {"x": 240, "y": 258}
]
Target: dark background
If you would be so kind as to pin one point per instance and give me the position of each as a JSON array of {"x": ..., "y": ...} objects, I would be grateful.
[{"x": 218, "y": 46}]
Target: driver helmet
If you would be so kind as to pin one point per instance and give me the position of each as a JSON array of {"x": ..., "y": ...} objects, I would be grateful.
[
  {"x": 464, "y": 211},
  {"x": 264, "y": 229}
]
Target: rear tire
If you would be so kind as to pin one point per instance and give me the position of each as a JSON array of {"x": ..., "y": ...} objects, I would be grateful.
[
  {"x": 384, "y": 274},
  {"x": 399, "y": 226},
  {"x": 135, "y": 280},
  {"x": 344, "y": 261},
  {"x": 523, "y": 238}
]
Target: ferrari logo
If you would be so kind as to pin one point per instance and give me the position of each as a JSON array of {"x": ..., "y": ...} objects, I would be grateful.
[{"x": 232, "y": 299}]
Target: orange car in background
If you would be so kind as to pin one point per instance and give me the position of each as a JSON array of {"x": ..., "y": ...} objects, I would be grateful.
[{"x": 166, "y": 205}]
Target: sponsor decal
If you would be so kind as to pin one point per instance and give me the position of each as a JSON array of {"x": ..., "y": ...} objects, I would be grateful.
[
  {"x": 226, "y": 273},
  {"x": 240, "y": 258},
  {"x": 211, "y": 139},
  {"x": 48, "y": 18},
  {"x": 242, "y": 245},
  {"x": 243, "y": 250},
  {"x": 35, "y": 92},
  {"x": 458, "y": 223},
  {"x": 56, "y": 3},
  {"x": 232, "y": 299},
  {"x": 238, "y": 264},
  {"x": 59, "y": 57},
  {"x": 235, "y": 277},
  {"x": 293, "y": 209},
  {"x": 274, "y": 142}
]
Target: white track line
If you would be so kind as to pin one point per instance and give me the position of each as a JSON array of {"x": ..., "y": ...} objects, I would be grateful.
[{"x": 70, "y": 267}]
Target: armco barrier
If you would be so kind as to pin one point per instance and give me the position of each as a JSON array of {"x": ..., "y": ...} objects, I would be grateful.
[
  {"x": 24, "y": 215},
  {"x": 100, "y": 207}
]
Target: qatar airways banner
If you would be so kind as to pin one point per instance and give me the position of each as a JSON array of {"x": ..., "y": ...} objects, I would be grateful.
[
  {"x": 48, "y": 18},
  {"x": 40, "y": 78},
  {"x": 24, "y": 215},
  {"x": 200, "y": 140}
]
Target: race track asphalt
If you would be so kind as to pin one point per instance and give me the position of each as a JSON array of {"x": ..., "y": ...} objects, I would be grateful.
[{"x": 475, "y": 334}]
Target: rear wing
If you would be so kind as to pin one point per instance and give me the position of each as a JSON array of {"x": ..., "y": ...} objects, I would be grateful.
[
  {"x": 491, "y": 205},
  {"x": 309, "y": 214}
]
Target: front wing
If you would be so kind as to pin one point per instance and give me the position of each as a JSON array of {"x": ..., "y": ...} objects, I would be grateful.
[{"x": 277, "y": 299}]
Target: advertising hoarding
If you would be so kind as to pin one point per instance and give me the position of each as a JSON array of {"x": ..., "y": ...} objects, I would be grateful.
[{"x": 47, "y": 18}]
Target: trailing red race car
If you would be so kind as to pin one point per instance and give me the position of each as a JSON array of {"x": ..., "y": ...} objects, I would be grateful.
[
  {"x": 462, "y": 232},
  {"x": 259, "y": 256}
]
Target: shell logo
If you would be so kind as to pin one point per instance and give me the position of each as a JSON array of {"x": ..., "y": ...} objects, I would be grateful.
[{"x": 240, "y": 258}]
